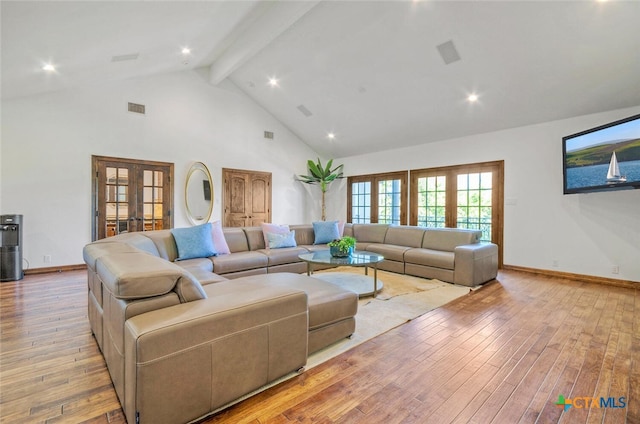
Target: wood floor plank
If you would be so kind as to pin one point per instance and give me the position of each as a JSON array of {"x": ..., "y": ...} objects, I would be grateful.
[{"x": 502, "y": 353}]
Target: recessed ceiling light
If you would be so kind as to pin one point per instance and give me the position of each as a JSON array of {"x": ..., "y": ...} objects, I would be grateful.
[
  {"x": 273, "y": 81},
  {"x": 186, "y": 50},
  {"x": 48, "y": 67},
  {"x": 331, "y": 136},
  {"x": 472, "y": 98}
]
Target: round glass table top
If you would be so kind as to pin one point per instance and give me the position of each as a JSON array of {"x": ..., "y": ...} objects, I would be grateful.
[{"x": 359, "y": 257}]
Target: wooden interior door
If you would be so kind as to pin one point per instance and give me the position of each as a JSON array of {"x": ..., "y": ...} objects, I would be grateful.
[
  {"x": 130, "y": 195},
  {"x": 247, "y": 198}
]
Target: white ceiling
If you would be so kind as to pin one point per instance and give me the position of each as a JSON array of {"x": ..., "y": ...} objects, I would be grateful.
[{"x": 370, "y": 72}]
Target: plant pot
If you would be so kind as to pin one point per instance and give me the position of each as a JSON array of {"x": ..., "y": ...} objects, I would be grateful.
[{"x": 337, "y": 253}]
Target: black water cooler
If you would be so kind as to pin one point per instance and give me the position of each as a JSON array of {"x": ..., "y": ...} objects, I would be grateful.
[{"x": 11, "y": 247}]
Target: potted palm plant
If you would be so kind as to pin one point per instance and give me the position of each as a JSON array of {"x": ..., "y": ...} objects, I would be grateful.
[
  {"x": 342, "y": 247},
  {"x": 323, "y": 176}
]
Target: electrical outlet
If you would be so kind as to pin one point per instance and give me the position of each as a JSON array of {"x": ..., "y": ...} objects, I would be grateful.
[
  {"x": 555, "y": 263},
  {"x": 615, "y": 269},
  {"x": 47, "y": 259}
]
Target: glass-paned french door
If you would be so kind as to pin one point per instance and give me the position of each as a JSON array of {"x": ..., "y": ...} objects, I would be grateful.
[
  {"x": 463, "y": 196},
  {"x": 431, "y": 201},
  {"x": 130, "y": 195},
  {"x": 474, "y": 202},
  {"x": 361, "y": 202},
  {"x": 379, "y": 198}
]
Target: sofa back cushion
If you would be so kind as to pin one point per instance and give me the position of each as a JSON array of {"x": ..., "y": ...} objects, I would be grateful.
[
  {"x": 449, "y": 238},
  {"x": 370, "y": 233},
  {"x": 164, "y": 242},
  {"x": 236, "y": 239},
  {"x": 304, "y": 234},
  {"x": 255, "y": 237},
  {"x": 404, "y": 236}
]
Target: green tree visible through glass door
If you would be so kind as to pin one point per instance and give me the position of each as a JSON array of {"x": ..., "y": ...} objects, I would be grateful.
[
  {"x": 474, "y": 202},
  {"x": 460, "y": 196}
]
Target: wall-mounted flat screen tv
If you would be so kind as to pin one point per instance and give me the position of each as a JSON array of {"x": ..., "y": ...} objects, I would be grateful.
[{"x": 603, "y": 158}]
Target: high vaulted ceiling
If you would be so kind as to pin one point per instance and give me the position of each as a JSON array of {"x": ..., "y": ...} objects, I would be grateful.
[{"x": 369, "y": 72}]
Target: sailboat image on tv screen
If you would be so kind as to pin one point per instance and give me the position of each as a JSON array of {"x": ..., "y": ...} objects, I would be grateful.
[{"x": 613, "y": 175}]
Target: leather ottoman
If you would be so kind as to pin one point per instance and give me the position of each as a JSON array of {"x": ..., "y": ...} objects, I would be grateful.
[{"x": 332, "y": 309}]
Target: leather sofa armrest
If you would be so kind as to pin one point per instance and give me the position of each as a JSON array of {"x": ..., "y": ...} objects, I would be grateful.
[
  {"x": 475, "y": 263},
  {"x": 184, "y": 361}
]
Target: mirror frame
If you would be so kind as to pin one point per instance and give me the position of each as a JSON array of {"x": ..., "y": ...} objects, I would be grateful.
[{"x": 198, "y": 166}]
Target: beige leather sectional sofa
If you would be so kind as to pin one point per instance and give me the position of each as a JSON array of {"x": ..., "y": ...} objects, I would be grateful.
[{"x": 182, "y": 339}]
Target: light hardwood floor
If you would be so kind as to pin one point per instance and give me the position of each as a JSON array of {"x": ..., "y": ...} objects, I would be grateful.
[{"x": 502, "y": 354}]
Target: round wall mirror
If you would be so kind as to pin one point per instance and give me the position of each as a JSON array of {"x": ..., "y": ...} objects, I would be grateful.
[{"x": 199, "y": 194}]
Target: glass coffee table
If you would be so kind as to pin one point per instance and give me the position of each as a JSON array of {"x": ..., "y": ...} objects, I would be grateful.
[{"x": 363, "y": 285}]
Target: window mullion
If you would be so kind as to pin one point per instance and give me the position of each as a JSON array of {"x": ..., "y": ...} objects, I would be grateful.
[{"x": 451, "y": 211}]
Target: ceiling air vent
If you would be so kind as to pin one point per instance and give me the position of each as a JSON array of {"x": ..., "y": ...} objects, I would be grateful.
[
  {"x": 448, "y": 52},
  {"x": 136, "y": 108},
  {"x": 268, "y": 134},
  {"x": 306, "y": 112},
  {"x": 124, "y": 57}
]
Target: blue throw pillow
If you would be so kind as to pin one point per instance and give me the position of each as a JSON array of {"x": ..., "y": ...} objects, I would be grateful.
[
  {"x": 194, "y": 242},
  {"x": 277, "y": 241},
  {"x": 325, "y": 231}
]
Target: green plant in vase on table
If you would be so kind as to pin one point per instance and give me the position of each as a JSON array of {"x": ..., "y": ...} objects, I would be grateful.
[{"x": 342, "y": 247}]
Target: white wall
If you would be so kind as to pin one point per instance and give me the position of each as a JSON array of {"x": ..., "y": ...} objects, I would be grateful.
[
  {"x": 48, "y": 140},
  {"x": 584, "y": 233}
]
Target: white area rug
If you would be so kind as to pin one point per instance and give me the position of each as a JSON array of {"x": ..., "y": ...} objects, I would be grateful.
[{"x": 402, "y": 299}]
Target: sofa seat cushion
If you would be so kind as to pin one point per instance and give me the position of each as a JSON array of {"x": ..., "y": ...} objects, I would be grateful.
[
  {"x": 206, "y": 277},
  {"x": 327, "y": 302},
  {"x": 390, "y": 252},
  {"x": 429, "y": 257},
  {"x": 190, "y": 265},
  {"x": 285, "y": 255},
  {"x": 239, "y": 261},
  {"x": 314, "y": 247}
]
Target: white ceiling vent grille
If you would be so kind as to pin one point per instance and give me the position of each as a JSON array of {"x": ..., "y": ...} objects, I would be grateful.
[
  {"x": 124, "y": 57},
  {"x": 448, "y": 52},
  {"x": 306, "y": 112},
  {"x": 268, "y": 135},
  {"x": 136, "y": 108}
]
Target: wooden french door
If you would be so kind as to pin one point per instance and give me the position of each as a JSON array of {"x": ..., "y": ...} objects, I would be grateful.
[
  {"x": 130, "y": 195},
  {"x": 462, "y": 196},
  {"x": 247, "y": 197}
]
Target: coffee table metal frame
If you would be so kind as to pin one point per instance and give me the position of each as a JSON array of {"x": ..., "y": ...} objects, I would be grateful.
[{"x": 357, "y": 258}]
